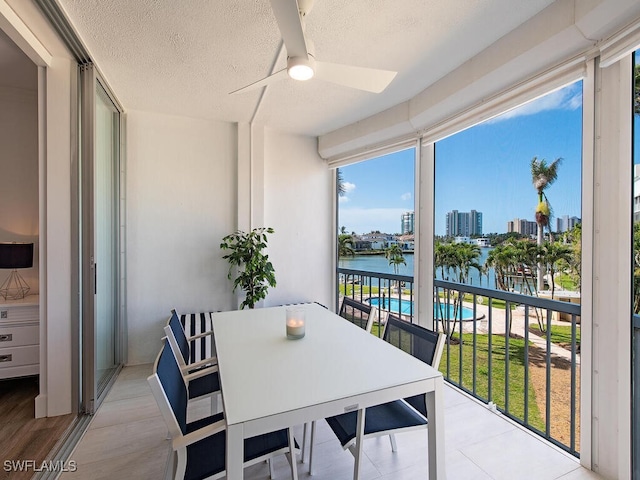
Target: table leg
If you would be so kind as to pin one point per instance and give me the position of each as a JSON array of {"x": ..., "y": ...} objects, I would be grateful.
[
  {"x": 435, "y": 412},
  {"x": 357, "y": 453},
  {"x": 235, "y": 452}
]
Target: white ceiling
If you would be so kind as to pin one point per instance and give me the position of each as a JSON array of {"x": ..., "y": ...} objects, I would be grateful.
[{"x": 184, "y": 57}]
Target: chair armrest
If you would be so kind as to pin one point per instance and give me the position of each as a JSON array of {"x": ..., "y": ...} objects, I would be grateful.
[
  {"x": 201, "y": 363},
  {"x": 200, "y": 335},
  {"x": 201, "y": 373},
  {"x": 199, "y": 434}
]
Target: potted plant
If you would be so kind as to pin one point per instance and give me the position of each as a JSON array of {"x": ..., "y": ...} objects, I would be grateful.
[{"x": 255, "y": 273}]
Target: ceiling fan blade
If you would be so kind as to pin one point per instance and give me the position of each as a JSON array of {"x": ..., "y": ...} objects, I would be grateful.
[
  {"x": 290, "y": 25},
  {"x": 368, "y": 79},
  {"x": 279, "y": 75}
]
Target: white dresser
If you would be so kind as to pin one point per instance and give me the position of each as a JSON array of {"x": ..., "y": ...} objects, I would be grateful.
[{"x": 19, "y": 337}]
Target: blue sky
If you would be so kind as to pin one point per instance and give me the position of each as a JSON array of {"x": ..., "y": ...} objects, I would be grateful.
[{"x": 485, "y": 168}]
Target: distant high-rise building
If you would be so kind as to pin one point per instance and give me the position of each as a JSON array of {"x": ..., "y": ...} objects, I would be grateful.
[
  {"x": 566, "y": 223},
  {"x": 464, "y": 224},
  {"x": 522, "y": 226},
  {"x": 406, "y": 225}
]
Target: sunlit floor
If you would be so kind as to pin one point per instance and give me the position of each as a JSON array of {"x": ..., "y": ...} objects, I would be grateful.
[{"x": 128, "y": 439}]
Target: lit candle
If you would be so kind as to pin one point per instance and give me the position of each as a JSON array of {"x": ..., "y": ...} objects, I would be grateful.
[{"x": 295, "y": 323}]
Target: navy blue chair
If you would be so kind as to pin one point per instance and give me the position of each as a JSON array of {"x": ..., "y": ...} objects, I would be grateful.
[
  {"x": 358, "y": 313},
  {"x": 201, "y": 377},
  {"x": 200, "y": 446},
  {"x": 196, "y": 347},
  {"x": 400, "y": 415}
]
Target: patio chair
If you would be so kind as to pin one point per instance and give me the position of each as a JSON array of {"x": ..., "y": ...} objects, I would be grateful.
[
  {"x": 358, "y": 313},
  {"x": 201, "y": 376},
  {"x": 198, "y": 329},
  {"x": 196, "y": 351},
  {"x": 200, "y": 447},
  {"x": 400, "y": 415}
]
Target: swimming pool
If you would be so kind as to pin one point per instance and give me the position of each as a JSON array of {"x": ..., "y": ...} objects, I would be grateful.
[{"x": 405, "y": 307}]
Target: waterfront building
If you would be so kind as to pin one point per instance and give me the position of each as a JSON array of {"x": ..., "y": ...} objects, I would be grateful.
[
  {"x": 406, "y": 223},
  {"x": 566, "y": 223},
  {"x": 464, "y": 224},
  {"x": 522, "y": 226}
]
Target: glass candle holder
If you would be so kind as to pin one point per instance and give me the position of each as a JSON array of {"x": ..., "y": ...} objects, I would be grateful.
[{"x": 295, "y": 323}]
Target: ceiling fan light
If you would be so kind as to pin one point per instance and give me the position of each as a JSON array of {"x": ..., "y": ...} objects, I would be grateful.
[
  {"x": 301, "y": 72},
  {"x": 300, "y": 68}
]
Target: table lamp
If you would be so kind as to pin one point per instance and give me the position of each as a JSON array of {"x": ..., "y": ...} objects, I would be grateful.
[{"x": 14, "y": 256}]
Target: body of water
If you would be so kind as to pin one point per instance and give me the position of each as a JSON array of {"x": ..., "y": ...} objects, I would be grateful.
[{"x": 379, "y": 264}]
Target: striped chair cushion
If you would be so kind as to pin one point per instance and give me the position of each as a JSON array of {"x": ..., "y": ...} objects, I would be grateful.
[{"x": 193, "y": 324}]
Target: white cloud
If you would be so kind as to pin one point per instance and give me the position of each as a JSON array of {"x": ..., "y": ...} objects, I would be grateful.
[
  {"x": 406, "y": 196},
  {"x": 568, "y": 98},
  {"x": 364, "y": 220},
  {"x": 343, "y": 199},
  {"x": 349, "y": 187}
]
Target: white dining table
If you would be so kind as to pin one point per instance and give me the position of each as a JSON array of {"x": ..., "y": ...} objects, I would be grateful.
[{"x": 269, "y": 382}]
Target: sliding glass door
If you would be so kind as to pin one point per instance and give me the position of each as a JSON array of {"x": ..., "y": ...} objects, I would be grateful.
[
  {"x": 100, "y": 252},
  {"x": 107, "y": 137}
]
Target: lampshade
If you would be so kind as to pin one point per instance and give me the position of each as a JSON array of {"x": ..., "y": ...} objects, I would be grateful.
[{"x": 16, "y": 255}]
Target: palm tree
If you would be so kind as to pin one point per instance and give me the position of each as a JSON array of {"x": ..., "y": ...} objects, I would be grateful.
[
  {"x": 525, "y": 258},
  {"x": 551, "y": 253},
  {"x": 454, "y": 259},
  {"x": 345, "y": 245},
  {"x": 395, "y": 256},
  {"x": 543, "y": 176},
  {"x": 340, "y": 183}
]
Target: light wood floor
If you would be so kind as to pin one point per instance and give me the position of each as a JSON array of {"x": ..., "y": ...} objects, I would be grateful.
[
  {"x": 128, "y": 439},
  {"x": 23, "y": 437}
]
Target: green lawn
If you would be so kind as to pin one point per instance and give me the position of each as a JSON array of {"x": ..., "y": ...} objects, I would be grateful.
[
  {"x": 560, "y": 334},
  {"x": 516, "y": 373},
  {"x": 349, "y": 290},
  {"x": 495, "y": 303}
]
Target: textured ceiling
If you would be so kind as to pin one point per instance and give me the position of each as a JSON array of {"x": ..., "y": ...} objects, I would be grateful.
[{"x": 184, "y": 57}]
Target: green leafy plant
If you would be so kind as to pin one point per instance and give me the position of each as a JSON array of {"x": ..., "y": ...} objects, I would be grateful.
[{"x": 255, "y": 273}]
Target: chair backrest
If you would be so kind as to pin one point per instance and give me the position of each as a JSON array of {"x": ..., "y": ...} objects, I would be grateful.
[
  {"x": 358, "y": 313},
  {"x": 195, "y": 324},
  {"x": 178, "y": 339},
  {"x": 170, "y": 391},
  {"x": 419, "y": 342}
]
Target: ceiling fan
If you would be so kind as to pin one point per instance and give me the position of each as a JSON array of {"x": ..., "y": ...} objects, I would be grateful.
[{"x": 301, "y": 62}]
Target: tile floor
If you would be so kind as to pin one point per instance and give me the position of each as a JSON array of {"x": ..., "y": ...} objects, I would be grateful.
[{"x": 127, "y": 438}]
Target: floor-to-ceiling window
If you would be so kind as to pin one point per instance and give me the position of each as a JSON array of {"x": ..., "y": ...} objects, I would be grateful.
[
  {"x": 376, "y": 231},
  {"x": 507, "y": 218}
]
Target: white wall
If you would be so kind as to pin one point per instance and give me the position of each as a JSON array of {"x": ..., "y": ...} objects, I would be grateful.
[
  {"x": 56, "y": 350},
  {"x": 181, "y": 201},
  {"x": 19, "y": 173},
  {"x": 298, "y": 205},
  {"x": 39, "y": 42}
]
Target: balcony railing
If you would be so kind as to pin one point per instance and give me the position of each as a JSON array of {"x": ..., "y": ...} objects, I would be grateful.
[{"x": 528, "y": 374}]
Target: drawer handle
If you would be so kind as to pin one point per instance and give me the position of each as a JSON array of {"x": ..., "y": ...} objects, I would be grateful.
[
  {"x": 6, "y": 337},
  {"x": 6, "y": 358}
]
